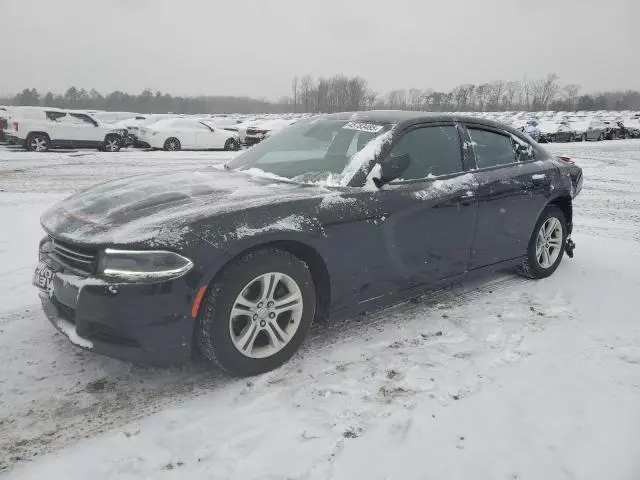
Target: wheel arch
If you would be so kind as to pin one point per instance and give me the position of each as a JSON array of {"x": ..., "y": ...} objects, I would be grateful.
[
  {"x": 299, "y": 249},
  {"x": 564, "y": 203},
  {"x": 37, "y": 132}
]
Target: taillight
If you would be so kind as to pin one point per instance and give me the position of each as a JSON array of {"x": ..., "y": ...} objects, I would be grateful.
[
  {"x": 15, "y": 126},
  {"x": 565, "y": 159}
]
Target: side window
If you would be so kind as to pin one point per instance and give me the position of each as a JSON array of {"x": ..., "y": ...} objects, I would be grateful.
[
  {"x": 80, "y": 119},
  {"x": 492, "y": 149},
  {"x": 55, "y": 116},
  {"x": 524, "y": 150},
  {"x": 434, "y": 151}
]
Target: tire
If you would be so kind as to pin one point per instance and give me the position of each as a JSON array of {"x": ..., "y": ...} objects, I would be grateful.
[
  {"x": 38, "y": 142},
  {"x": 572, "y": 138},
  {"x": 601, "y": 137},
  {"x": 111, "y": 144},
  {"x": 232, "y": 145},
  {"x": 218, "y": 331},
  {"x": 532, "y": 266},
  {"x": 172, "y": 145},
  {"x": 585, "y": 138}
]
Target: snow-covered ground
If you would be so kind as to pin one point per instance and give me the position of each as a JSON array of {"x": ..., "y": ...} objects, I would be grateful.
[{"x": 498, "y": 379}]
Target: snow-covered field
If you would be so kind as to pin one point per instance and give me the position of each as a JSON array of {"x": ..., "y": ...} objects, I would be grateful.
[{"x": 499, "y": 379}]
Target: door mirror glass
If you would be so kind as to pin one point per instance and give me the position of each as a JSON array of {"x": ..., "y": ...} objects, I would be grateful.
[{"x": 392, "y": 168}]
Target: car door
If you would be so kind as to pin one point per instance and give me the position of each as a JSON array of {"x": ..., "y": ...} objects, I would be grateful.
[
  {"x": 88, "y": 131},
  {"x": 209, "y": 137},
  {"x": 430, "y": 212},
  {"x": 513, "y": 188},
  {"x": 75, "y": 130}
]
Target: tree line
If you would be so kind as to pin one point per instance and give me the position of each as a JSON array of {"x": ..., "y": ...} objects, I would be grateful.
[{"x": 344, "y": 93}]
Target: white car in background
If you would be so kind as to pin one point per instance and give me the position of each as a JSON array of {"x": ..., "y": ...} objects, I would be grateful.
[
  {"x": 188, "y": 134},
  {"x": 258, "y": 132},
  {"x": 40, "y": 129}
]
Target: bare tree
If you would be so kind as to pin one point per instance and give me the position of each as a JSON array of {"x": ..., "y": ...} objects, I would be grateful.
[
  {"x": 495, "y": 94},
  {"x": 294, "y": 88},
  {"x": 511, "y": 91},
  {"x": 571, "y": 94},
  {"x": 307, "y": 92}
]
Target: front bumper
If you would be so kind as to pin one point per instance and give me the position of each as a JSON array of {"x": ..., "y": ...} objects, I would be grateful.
[{"x": 147, "y": 324}]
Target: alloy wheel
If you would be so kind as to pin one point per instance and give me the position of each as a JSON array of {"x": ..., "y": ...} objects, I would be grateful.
[
  {"x": 38, "y": 144},
  {"x": 266, "y": 315},
  {"x": 549, "y": 242},
  {"x": 111, "y": 145}
]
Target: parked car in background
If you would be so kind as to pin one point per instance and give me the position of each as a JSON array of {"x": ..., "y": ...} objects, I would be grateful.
[
  {"x": 556, "y": 131},
  {"x": 589, "y": 130},
  {"x": 40, "y": 130},
  {"x": 258, "y": 132},
  {"x": 188, "y": 134},
  {"x": 4, "y": 114},
  {"x": 631, "y": 129},
  {"x": 134, "y": 126},
  {"x": 531, "y": 128},
  {"x": 236, "y": 265},
  {"x": 613, "y": 131}
]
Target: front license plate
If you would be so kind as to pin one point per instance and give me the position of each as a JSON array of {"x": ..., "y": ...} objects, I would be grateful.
[{"x": 43, "y": 276}]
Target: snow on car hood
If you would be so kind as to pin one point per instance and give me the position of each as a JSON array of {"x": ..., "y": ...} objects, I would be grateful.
[{"x": 158, "y": 209}]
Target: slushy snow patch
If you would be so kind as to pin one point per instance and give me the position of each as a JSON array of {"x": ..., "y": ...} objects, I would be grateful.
[{"x": 290, "y": 223}]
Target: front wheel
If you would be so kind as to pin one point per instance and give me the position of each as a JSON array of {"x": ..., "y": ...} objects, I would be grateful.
[
  {"x": 547, "y": 244},
  {"x": 172, "y": 145},
  {"x": 111, "y": 144},
  {"x": 232, "y": 145},
  {"x": 257, "y": 313}
]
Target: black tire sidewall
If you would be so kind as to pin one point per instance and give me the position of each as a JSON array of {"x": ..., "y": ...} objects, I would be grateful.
[
  {"x": 534, "y": 269},
  {"x": 213, "y": 326}
]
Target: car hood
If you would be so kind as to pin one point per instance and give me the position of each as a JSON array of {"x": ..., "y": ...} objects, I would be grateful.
[{"x": 159, "y": 209}]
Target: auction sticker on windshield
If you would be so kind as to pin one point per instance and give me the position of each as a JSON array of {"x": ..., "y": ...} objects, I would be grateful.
[
  {"x": 43, "y": 276},
  {"x": 363, "y": 127}
]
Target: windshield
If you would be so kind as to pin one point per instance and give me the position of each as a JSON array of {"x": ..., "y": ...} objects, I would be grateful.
[{"x": 310, "y": 150}]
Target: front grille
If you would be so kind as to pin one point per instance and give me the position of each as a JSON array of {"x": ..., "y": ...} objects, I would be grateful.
[{"x": 77, "y": 258}]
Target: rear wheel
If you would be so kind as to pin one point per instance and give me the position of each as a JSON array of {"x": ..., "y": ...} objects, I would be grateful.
[
  {"x": 547, "y": 244},
  {"x": 38, "y": 142},
  {"x": 257, "y": 313},
  {"x": 111, "y": 143},
  {"x": 232, "y": 144},
  {"x": 172, "y": 144}
]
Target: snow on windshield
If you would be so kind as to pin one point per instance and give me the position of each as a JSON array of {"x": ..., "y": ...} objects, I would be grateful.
[{"x": 319, "y": 151}]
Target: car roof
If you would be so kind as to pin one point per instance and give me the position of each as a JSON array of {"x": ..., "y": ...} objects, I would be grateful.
[{"x": 410, "y": 117}]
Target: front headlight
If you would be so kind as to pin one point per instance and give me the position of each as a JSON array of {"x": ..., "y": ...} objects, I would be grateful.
[{"x": 143, "y": 264}]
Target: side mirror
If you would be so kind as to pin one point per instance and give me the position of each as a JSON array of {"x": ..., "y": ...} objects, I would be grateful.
[{"x": 392, "y": 168}]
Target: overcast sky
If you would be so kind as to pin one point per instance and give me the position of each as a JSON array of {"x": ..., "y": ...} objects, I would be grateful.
[{"x": 254, "y": 48}]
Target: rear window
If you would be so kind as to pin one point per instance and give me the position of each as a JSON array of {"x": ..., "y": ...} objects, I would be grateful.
[{"x": 492, "y": 148}]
